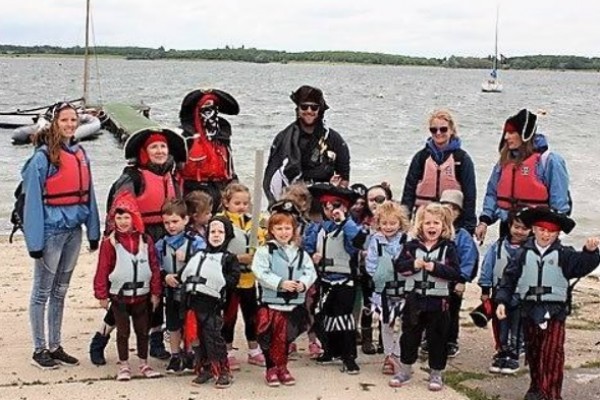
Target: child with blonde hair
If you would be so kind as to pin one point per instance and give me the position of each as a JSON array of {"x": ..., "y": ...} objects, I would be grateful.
[
  {"x": 390, "y": 224},
  {"x": 429, "y": 264},
  {"x": 236, "y": 206}
]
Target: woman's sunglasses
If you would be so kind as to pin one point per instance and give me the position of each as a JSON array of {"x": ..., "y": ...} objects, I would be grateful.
[
  {"x": 434, "y": 129},
  {"x": 306, "y": 106}
]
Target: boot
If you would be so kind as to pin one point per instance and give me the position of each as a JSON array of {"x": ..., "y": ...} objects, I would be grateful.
[
  {"x": 157, "y": 346},
  {"x": 97, "y": 347},
  {"x": 367, "y": 341}
]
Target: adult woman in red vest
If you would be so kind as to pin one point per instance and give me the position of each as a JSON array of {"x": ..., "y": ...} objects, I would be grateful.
[
  {"x": 152, "y": 177},
  {"x": 442, "y": 165},
  {"x": 527, "y": 174},
  {"x": 59, "y": 199},
  {"x": 209, "y": 166}
]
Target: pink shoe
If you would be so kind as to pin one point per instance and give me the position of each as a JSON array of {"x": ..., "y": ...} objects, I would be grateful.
[
  {"x": 234, "y": 364},
  {"x": 315, "y": 350},
  {"x": 271, "y": 377},
  {"x": 258, "y": 360},
  {"x": 285, "y": 377}
]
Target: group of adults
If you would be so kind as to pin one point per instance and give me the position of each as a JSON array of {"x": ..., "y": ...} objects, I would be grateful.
[{"x": 164, "y": 164}]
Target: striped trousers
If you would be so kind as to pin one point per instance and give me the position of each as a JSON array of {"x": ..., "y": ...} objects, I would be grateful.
[{"x": 545, "y": 354}]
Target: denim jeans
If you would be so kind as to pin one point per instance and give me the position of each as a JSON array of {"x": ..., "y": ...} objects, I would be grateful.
[
  {"x": 511, "y": 328},
  {"x": 51, "y": 277}
]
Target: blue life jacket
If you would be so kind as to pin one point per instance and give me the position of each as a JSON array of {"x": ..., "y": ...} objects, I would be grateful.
[
  {"x": 542, "y": 279},
  {"x": 290, "y": 270}
]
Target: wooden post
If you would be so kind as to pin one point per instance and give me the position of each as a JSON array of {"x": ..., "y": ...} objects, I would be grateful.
[{"x": 256, "y": 198}]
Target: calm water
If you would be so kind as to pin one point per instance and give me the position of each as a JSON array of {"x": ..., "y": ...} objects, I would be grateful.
[{"x": 380, "y": 110}]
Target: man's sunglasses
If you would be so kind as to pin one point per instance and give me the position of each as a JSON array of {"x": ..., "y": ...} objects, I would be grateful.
[{"x": 313, "y": 107}]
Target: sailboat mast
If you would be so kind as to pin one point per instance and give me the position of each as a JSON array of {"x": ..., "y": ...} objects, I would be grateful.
[
  {"x": 86, "y": 53},
  {"x": 496, "y": 39}
]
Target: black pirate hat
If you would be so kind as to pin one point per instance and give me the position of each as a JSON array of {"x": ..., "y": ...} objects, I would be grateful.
[
  {"x": 482, "y": 314},
  {"x": 546, "y": 216},
  {"x": 226, "y": 103},
  {"x": 327, "y": 192},
  {"x": 524, "y": 123},
  {"x": 285, "y": 206},
  {"x": 136, "y": 141}
]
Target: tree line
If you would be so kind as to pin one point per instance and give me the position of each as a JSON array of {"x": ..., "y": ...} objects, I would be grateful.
[{"x": 254, "y": 55}]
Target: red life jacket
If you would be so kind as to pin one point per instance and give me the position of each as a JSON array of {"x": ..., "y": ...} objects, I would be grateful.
[
  {"x": 207, "y": 161},
  {"x": 436, "y": 179},
  {"x": 520, "y": 186},
  {"x": 157, "y": 190},
  {"x": 70, "y": 185}
]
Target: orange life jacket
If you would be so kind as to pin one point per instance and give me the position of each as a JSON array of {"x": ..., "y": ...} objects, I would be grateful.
[
  {"x": 436, "y": 179},
  {"x": 207, "y": 161},
  {"x": 520, "y": 186},
  {"x": 157, "y": 190},
  {"x": 70, "y": 185}
]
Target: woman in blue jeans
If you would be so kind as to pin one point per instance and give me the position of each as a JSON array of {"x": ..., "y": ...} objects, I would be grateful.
[{"x": 59, "y": 199}]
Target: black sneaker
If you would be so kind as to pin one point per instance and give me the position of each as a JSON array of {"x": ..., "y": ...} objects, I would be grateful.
[
  {"x": 188, "y": 362},
  {"x": 510, "y": 367},
  {"x": 157, "y": 346},
  {"x": 453, "y": 350},
  {"x": 203, "y": 377},
  {"x": 59, "y": 355},
  {"x": 43, "y": 360},
  {"x": 497, "y": 365},
  {"x": 350, "y": 367},
  {"x": 223, "y": 381},
  {"x": 324, "y": 359},
  {"x": 175, "y": 365}
]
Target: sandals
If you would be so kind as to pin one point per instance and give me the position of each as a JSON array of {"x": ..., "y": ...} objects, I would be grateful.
[
  {"x": 124, "y": 373},
  {"x": 148, "y": 372}
]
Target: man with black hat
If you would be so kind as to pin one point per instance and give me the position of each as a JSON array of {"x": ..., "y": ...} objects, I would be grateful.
[
  {"x": 527, "y": 174},
  {"x": 540, "y": 273},
  {"x": 306, "y": 149}
]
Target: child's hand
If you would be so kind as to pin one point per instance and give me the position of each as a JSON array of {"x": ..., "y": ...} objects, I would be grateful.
[
  {"x": 171, "y": 280},
  {"x": 338, "y": 215},
  {"x": 245, "y": 259},
  {"x": 317, "y": 257},
  {"x": 429, "y": 266},
  {"x": 501, "y": 311},
  {"x": 155, "y": 300},
  {"x": 300, "y": 287},
  {"x": 288, "y": 286},
  {"x": 591, "y": 244},
  {"x": 459, "y": 289},
  {"x": 103, "y": 303}
]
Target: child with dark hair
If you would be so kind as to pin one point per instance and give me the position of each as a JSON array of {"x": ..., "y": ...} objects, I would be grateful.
[
  {"x": 205, "y": 279},
  {"x": 127, "y": 281},
  {"x": 508, "y": 333},
  {"x": 540, "y": 272}
]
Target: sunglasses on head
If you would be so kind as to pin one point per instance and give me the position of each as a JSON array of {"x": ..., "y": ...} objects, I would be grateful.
[
  {"x": 434, "y": 129},
  {"x": 58, "y": 107},
  {"x": 378, "y": 199},
  {"x": 306, "y": 106}
]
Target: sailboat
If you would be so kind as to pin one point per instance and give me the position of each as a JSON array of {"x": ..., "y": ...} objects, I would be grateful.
[{"x": 492, "y": 84}]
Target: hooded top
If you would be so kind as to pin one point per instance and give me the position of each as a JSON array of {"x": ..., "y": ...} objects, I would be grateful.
[
  {"x": 229, "y": 235},
  {"x": 125, "y": 201}
]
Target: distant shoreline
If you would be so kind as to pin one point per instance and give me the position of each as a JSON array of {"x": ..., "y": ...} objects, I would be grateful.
[{"x": 252, "y": 55}]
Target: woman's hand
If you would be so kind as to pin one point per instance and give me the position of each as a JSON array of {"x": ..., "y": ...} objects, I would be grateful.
[{"x": 501, "y": 311}]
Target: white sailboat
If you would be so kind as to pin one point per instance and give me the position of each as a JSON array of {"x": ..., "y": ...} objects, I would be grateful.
[{"x": 492, "y": 84}]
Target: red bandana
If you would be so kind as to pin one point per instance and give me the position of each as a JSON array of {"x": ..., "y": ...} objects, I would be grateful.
[
  {"x": 152, "y": 138},
  {"x": 551, "y": 226}
]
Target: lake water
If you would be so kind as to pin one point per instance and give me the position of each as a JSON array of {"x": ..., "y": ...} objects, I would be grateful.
[{"x": 380, "y": 110}]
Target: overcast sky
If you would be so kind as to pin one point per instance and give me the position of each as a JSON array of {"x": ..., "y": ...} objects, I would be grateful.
[{"x": 429, "y": 28}]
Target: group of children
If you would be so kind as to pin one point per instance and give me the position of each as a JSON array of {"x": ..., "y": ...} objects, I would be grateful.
[{"x": 350, "y": 239}]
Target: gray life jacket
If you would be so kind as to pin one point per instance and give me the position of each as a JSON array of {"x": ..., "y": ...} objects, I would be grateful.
[
  {"x": 502, "y": 258},
  {"x": 386, "y": 279},
  {"x": 240, "y": 241},
  {"x": 170, "y": 264},
  {"x": 289, "y": 270},
  {"x": 423, "y": 282},
  {"x": 203, "y": 274},
  {"x": 335, "y": 257},
  {"x": 132, "y": 273},
  {"x": 542, "y": 278}
]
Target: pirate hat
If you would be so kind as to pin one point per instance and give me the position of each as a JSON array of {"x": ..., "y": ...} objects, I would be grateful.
[
  {"x": 546, "y": 217},
  {"x": 225, "y": 102},
  {"x": 285, "y": 206},
  {"x": 137, "y": 141},
  {"x": 524, "y": 123},
  {"x": 327, "y": 192},
  {"x": 482, "y": 314}
]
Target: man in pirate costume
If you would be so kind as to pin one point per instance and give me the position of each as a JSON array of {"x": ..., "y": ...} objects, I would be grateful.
[
  {"x": 306, "y": 150},
  {"x": 209, "y": 165},
  {"x": 334, "y": 244},
  {"x": 540, "y": 272}
]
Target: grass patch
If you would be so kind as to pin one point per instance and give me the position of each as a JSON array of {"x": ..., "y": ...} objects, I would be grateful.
[
  {"x": 590, "y": 364},
  {"x": 455, "y": 380}
]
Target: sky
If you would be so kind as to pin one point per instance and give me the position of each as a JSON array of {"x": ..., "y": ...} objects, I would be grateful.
[{"x": 425, "y": 28}]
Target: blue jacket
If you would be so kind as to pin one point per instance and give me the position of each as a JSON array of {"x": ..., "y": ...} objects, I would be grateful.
[
  {"x": 465, "y": 176},
  {"x": 393, "y": 247},
  {"x": 56, "y": 219},
  {"x": 468, "y": 255},
  {"x": 486, "y": 277},
  {"x": 175, "y": 241},
  {"x": 553, "y": 174}
]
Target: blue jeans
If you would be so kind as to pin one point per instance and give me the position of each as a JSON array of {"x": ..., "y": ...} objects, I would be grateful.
[
  {"x": 510, "y": 329},
  {"x": 51, "y": 277}
]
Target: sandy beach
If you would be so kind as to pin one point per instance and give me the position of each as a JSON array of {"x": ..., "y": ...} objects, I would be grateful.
[{"x": 468, "y": 372}]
